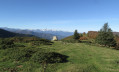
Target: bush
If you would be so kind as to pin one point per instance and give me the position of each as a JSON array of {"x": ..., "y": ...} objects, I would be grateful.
[
  {"x": 31, "y": 39},
  {"x": 48, "y": 57},
  {"x": 83, "y": 38},
  {"x": 21, "y": 54},
  {"x": 36, "y": 55},
  {"x": 6, "y": 43},
  {"x": 117, "y": 46},
  {"x": 42, "y": 41},
  {"x": 18, "y": 54}
]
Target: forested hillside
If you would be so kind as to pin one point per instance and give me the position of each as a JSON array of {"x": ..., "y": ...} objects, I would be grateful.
[{"x": 5, "y": 34}]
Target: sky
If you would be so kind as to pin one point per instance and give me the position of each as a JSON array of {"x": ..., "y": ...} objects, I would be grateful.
[{"x": 66, "y": 15}]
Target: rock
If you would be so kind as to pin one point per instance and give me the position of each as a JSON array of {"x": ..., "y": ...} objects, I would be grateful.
[{"x": 55, "y": 38}]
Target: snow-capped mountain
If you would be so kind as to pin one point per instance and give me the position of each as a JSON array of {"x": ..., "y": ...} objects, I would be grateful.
[
  {"x": 54, "y": 32},
  {"x": 43, "y": 33}
]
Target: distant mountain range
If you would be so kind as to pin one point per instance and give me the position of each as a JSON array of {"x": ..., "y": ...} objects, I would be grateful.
[
  {"x": 6, "y": 34},
  {"x": 47, "y": 34}
]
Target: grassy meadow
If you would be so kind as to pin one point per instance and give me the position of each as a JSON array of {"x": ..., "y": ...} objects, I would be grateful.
[
  {"x": 82, "y": 57},
  {"x": 86, "y": 58}
]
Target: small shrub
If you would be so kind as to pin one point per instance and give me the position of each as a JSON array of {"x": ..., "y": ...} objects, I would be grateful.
[
  {"x": 83, "y": 38},
  {"x": 22, "y": 54},
  {"x": 117, "y": 47},
  {"x": 6, "y": 43},
  {"x": 49, "y": 57}
]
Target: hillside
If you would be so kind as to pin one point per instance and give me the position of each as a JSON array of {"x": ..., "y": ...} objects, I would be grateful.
[
  {"x": 47, "y": 34},
  {"x": 68, "y": 38},
  {"x": 5, "y": 34},
  {"x": 81, "y": 58}
]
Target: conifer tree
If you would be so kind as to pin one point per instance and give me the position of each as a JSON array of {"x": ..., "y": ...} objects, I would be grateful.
[
  {"x": 105, "y": 36},
  {"x": 76, "y": 35}
]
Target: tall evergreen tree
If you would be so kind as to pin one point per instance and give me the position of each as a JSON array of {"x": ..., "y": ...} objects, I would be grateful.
[
  {"x": 105, "y": 36},
  {"x": 76, "y": 35}
]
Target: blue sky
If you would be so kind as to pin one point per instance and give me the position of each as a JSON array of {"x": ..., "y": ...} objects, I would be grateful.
[{"x": 66, "y": 15}]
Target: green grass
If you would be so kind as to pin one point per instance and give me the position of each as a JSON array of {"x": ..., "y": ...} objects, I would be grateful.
[
  {"x": 86, "y": 58},
  {"x": 82, "y": 58}
]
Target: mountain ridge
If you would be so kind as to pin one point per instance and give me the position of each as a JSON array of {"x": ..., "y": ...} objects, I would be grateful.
[
  {"x": 6, "y": 34},
  {"x": 47, "y": 34}
]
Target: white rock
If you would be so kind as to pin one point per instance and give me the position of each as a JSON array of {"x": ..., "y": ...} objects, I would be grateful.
[{"x": 55, "y": 38}]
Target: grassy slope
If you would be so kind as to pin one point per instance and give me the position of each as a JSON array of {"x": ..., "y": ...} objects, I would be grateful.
[
  {"x": 82, "y": 58},
  {"x": 85, "y": 58},
  {"x": 68, "y": 38}
]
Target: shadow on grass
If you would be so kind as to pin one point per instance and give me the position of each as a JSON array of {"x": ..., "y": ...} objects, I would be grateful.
[
  {"x": 50, "y": 43},
  {"x": 57, "y": 58}
]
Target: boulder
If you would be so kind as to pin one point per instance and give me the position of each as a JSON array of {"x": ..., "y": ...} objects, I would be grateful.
[{"x": 55, "y": 38}]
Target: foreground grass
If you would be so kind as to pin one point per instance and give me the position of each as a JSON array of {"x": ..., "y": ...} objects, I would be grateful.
[
  {"x": 81, "y": 58},
  {"x": 85, "y": 58}
]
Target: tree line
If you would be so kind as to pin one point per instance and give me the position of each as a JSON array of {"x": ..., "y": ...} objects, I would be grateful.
[{"x": 103, "y": 37}]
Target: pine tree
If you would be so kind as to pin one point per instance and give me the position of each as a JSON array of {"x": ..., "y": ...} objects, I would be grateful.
[
  {"x": 105, "y": 36},
  {"x": 76, "y": 35}
]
